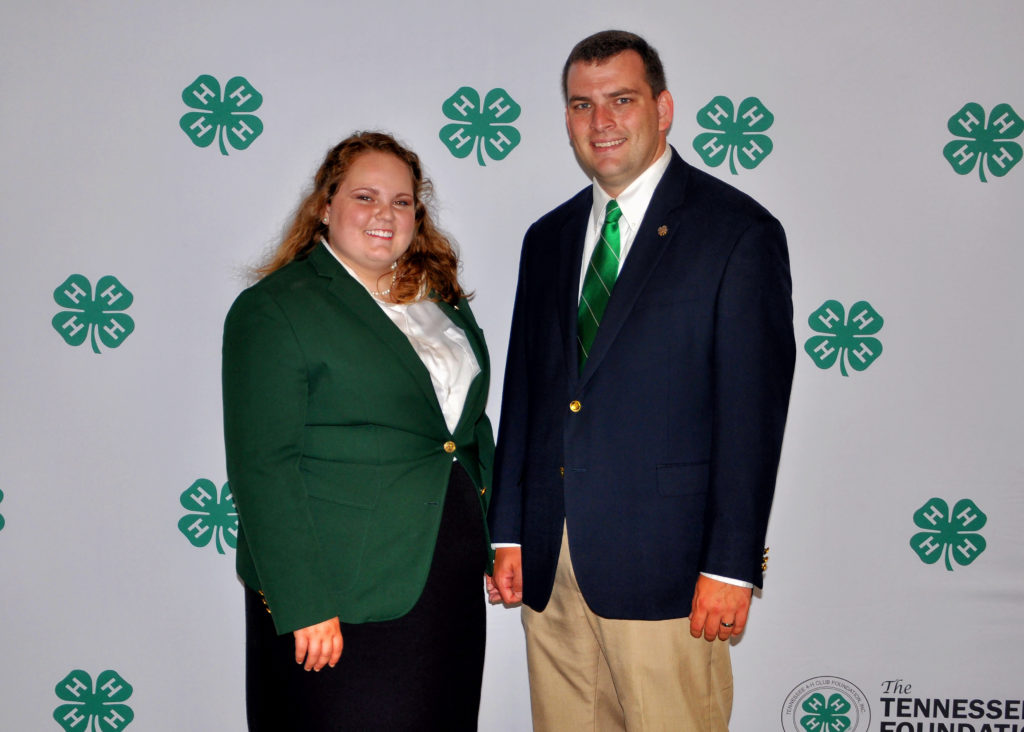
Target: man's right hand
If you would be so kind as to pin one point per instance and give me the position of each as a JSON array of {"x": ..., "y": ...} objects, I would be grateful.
[{"x": 506, "y": 584}]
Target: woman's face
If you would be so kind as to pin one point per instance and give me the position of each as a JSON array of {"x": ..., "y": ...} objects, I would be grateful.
[{"x": 372, "y": 216}]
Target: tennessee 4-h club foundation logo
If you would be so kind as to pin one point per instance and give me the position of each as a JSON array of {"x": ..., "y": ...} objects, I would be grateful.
[
  {"x": 485, "y": 127},
  {"x": 950, "y": 535},
  {"x": 984, "y": 145},
  {"x": 826, "y": 704},
  {"x": 737, "y": 133},
  {"x": 213, "y": 515},
  {"x": 93, "y": 708},
  {"x": 225, "y": 117},
  {"x": 85, "y": 316},
  {"x": 846, "y": 340}
]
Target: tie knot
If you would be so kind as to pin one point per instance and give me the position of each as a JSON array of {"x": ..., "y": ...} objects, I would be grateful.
[{"x": 612, "y": 212}]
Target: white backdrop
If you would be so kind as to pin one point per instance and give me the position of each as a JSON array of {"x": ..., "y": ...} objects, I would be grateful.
[{"x": 100, "y": 179}]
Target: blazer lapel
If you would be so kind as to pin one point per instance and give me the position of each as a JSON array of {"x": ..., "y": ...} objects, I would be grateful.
[
  {"x": 570, "y": 242},
  {"x": 359, "y": 302},
  {"x": 657, "y": 231}
]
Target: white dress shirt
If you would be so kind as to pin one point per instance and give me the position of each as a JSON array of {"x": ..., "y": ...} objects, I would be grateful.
[{"x": 633, "y": 203}]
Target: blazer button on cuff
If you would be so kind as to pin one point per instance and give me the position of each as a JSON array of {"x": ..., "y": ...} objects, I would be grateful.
[
  {"x": 449, "y": 447},
  {"x": 575, "y": 406}
]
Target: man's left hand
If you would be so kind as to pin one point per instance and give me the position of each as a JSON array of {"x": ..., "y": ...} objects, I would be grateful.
[{"x": 719, "y": 609}]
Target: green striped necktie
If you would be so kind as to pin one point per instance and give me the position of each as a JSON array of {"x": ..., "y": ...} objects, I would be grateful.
[{"x": 598, "y": 281}]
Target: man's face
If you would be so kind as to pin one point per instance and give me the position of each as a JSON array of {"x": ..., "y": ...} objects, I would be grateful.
[{"x": 617, "y": 127}]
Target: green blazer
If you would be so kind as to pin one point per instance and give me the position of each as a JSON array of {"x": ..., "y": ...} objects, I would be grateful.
[{"x": 338, "y": 454}]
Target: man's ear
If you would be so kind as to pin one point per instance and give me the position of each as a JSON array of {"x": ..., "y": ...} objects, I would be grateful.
[{"x": 666, "y": 108}]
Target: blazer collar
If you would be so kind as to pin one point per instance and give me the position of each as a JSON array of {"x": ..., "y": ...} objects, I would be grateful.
[
  {"x": 360, "y": 302},
  {"x": 657, "y": 232}
]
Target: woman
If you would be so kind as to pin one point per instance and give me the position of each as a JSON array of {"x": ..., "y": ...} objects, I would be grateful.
[{"x": 359, "y": 456}]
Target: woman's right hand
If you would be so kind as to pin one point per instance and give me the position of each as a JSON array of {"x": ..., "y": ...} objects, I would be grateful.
[{"x": 319, "y": 645}]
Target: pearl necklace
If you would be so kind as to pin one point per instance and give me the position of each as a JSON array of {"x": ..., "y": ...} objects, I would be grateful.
[{"x": 385, "y": 293}]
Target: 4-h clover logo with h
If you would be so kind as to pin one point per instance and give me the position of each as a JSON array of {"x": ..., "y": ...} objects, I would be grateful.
[
  {"x": 847, "y": 341},
  {"x": 737, "y": 135},
  {"x": 949, "y": 534},
  {"x": 213, "y": 515},
  {"x": 826, "y": 716},
  {"x": 100, "y": 706},
  {"x": 486, "y": 128},
  {"x": 826, "y": 704},
  {"x": 225, "y": 118},
  {"x": 86, "y": 316},
  {"x": 985, "y": 145}
]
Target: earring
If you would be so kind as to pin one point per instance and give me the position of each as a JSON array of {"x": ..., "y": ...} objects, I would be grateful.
[{"x": 325, "y": 220}]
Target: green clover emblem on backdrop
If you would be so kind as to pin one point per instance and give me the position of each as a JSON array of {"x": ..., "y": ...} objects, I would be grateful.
[
  {"x": 87, "y": 317},
  {"x": 485, "y": 127},
  {"x": 844, "y": 340},
  {"x": 984, "y": 145},
  {"x": 1, "y": 515},
  {"x": 226, "y": 118},
  {"x": 949, "y": 534},
  {"x": 100, "y": 705},
  {"x": 736, "y": 133},
  {"x": 213, "y": 515},
  {"x": 826, "y": 716}
]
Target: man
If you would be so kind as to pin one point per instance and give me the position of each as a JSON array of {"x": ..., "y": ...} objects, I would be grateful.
[{"x": 640, "y": 430}]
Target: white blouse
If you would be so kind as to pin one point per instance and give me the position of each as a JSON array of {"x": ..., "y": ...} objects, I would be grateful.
[{"x": 441, "y": 345}]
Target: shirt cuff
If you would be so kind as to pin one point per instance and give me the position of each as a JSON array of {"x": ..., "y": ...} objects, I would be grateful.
[
  {"x": 728, "y": 580},
  {"x": 503, "y": 545}
]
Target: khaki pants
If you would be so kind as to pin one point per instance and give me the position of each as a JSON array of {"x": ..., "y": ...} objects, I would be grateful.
[{"x": 593, "y": 673}]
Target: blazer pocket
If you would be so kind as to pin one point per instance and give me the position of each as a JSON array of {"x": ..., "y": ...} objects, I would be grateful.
[
  {"x": 342, "y": 497},
  {"x": 345, "y": 483},
  {"x": 683, "y": 479}
]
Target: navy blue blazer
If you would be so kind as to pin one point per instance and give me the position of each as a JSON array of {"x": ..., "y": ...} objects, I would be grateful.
[{"x": 662, "y": 455}]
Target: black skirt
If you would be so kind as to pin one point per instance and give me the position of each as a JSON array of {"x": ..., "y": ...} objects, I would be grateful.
[{"x": 420, "y": 672}]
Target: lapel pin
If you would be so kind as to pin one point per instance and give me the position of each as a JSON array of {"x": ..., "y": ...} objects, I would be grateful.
[{"x": 662, "y": 230}]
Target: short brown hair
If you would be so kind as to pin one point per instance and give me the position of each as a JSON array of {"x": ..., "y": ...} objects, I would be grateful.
[{"x": 602, "y": 46}]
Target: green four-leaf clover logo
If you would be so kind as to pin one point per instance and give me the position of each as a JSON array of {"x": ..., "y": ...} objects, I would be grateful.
[
  {"x": 826, "y": 716},
  {"x": 484, "y": 127},
  {"x": 225, "y": 118},
  {"x": 88, "y": 317},
  {"x": 1, "y": 515},
  {"x": 100, "y": 706},
  {"x": 736, "y": 134},
  {"x": 984, "y": 145},
  {"x": 847, "y": 341},
  {"x": 949, "y": 534},
  {"x": 213, "y": 515}
]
